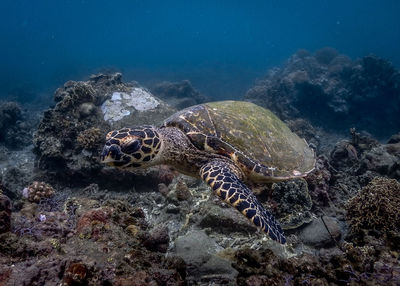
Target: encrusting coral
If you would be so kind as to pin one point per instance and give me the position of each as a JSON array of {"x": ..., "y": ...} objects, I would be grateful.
[
  {"x": 376, "y": 206},
  {"x": 89, "y": 138}
]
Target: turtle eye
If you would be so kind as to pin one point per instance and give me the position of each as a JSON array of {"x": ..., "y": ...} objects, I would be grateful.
[
  {"x": 114, "y": 152},
  {"x": 131, "y": 147}
]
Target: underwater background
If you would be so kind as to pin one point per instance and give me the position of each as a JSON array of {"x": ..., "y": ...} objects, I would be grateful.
[
  {"x": 220, "y": 46},
  {"x": 74, "y": 71}
]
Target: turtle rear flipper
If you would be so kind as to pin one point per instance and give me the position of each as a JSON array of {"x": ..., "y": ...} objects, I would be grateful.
[{"x": 225, "y": 183}]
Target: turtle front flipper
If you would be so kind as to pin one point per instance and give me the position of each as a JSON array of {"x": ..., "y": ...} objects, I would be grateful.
[{"x": 225, "y": 183}]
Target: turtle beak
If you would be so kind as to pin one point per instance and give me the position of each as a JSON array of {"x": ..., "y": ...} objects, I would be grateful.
[{"x": 110, "y": 154}]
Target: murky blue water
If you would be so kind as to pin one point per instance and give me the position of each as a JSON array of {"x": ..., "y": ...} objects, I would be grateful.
[{"x": 221, "y": 46}]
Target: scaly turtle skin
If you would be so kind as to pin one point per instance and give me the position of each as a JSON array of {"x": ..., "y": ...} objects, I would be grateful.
[{"x": 227, "y": 144}]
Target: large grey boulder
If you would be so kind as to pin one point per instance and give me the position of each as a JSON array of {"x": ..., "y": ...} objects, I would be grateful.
[
  {"x": 321, "y": 232},
  {"x": 203, "y": 264}
]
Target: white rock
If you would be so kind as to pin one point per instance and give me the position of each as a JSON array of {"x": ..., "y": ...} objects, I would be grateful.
[
  {"x": 123, "y": 104},
  {"x": 116, "y": 96},
  {"x": 25, "y": 193},
  {"x": 42, "y": 218}
]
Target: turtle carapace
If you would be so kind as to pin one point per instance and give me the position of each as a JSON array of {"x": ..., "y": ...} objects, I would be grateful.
[{"x": 227, "y": 144}]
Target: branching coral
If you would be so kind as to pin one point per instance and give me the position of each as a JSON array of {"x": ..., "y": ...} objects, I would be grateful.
[{"x": 376, "y": 206}]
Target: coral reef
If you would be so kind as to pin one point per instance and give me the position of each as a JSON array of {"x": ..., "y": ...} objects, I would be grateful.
[
  {"x": 351, "y": 266},
  {"x": 38, "y": 191},
  {"x": 154, "y": 227},
  {"x": 55, "y": 140},
  {"x": 89, "y": 244},
  {"x": 344, "y": 91},
  {"x": 186, "y": 235},
  {"x": 80, "y": 120},
  {"x": 351, "y": 165},
  {"x": 376, "y": 207},
  {"x": 319, "y": 183}
]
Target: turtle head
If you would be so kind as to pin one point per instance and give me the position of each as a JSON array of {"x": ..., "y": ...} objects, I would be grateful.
[{"x": 131, "y": 147}]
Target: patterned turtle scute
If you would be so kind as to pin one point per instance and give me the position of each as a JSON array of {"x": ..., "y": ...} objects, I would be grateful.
[{"x": 252, "y": 136}]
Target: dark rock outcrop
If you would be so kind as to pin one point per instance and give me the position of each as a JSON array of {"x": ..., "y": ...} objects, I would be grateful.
[
  {"x": 178, "y": 94},
  {"x": 321, "y": 232},
  {"x": 16, "y": 125},
  {"x": 5, "y": 213},
  {"x": 334, "y": 92}
]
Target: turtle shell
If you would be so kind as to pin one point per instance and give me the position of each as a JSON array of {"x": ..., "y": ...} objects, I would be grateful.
[{"x": 252, "y": 130}]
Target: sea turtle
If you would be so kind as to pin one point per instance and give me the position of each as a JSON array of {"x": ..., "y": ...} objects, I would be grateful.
[{"x": 227, "y": 144}]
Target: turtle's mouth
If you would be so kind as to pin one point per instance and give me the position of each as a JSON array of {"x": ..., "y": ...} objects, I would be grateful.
[{"x": 110, "y": 154}]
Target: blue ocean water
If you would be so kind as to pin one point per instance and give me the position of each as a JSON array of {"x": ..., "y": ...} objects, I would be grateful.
[{"x": 221, "y": 46}]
